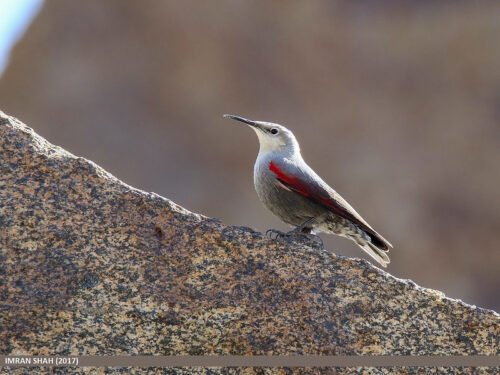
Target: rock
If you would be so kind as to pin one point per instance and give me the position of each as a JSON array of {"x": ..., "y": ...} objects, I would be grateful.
[
  {"x": 370, "y": 91},
  {"x": 91, "y": 265}
]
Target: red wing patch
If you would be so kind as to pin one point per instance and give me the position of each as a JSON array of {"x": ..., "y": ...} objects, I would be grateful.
[
  {"x": 300, "y": 187},
  {"x": 316, "y": 195},
  {"x": 291, "y": 182}
]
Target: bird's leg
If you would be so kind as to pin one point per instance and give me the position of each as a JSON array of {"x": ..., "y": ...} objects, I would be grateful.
[{"x": 304, "y": 230}]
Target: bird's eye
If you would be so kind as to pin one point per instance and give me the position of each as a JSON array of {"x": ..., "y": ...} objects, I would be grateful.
[{"x": 274, "y": 131}]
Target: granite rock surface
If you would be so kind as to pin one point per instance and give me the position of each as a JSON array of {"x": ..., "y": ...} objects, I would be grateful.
[
  {"x": 90, "y": 265},
  {"x": 395, "y": 106}
]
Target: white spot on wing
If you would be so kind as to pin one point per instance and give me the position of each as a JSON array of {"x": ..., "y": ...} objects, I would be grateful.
[{"x": 278, "y": 182}]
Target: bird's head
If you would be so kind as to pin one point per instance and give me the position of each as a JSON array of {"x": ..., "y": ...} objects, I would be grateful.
[{"x": 272, "y": 137}]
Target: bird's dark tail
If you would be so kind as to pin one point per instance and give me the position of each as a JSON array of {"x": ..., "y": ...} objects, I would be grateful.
[
  {"x": 379, "y": 255},
  {"x": 377, "y": 248},
  {"x": 376, "y": 239}
]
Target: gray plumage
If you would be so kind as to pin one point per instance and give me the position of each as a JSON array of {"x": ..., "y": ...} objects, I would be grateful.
[{"x": 291, "y": 190}]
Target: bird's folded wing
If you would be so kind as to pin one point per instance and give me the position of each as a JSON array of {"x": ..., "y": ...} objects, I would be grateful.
[{"x": 320, "y": 193}]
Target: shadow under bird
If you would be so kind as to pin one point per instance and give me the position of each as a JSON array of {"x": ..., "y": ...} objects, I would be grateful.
[{"x": 291, "y": 190}]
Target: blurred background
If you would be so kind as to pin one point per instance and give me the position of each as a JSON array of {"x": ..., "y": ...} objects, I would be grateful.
[{"x": 396, "y": 104}]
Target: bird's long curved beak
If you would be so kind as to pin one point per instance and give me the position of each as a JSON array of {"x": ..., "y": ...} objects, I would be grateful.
[{"x": 242, "y": 119}]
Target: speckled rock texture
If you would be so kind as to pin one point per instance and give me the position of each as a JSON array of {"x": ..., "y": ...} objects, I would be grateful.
[{"x": 90, "y": 265}]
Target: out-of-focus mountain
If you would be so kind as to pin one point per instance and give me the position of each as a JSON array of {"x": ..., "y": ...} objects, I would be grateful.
[{"x": 396, "y": 105}]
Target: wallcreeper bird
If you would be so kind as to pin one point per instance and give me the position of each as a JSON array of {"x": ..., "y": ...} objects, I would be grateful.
[{"x": 291, "y": 190}]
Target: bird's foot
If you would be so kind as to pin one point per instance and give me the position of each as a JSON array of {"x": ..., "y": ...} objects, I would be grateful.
[{"x": 309, "y": 239}]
